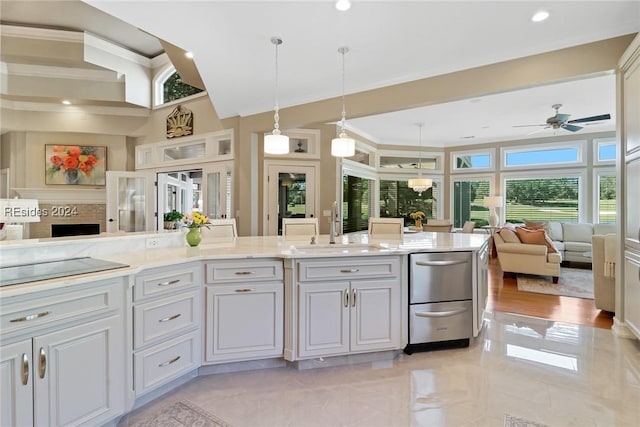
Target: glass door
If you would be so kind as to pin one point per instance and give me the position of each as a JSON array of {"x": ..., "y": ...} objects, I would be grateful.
[
  {"x": 291, "y": 194},
  {"x": 217, "y": 185},
  {"x": 130, "y": 202}
]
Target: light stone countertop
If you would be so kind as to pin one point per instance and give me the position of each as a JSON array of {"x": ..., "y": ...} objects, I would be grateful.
[{"x": 356, "y": 244}]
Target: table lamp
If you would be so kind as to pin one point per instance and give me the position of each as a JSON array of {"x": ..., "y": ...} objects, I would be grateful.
[
  {"x": 493, "y": 202},
  {"x": 14, "y": 213}
]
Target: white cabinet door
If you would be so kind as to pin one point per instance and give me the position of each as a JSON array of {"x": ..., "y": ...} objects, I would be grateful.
[
  {"x": 244, "y": 321},
  {"x": 375, "y": 315},
  {"x": 323, "y": 319},
  {"x": 79, "y": 374},
  {"x": 131, "y": 201},
  {"x": 16, "y": 383},
  {"x": 632, "y": 292}
]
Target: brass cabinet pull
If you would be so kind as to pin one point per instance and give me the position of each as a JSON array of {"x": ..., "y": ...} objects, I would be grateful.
[
  {"x": 25, "y": 369},
  {"x": 30, "y": 317},
  {"x": 42, "y": 363},
  {"x": 244, "y": 273},
  {"x": 166, "y": 319},
  {"x": 350, "y": 270},
  {"x": 243, "y": 291},
  {"x": 169, "y": 362},
  {"x": 353, "y": 300},
  {"x": 169, "y": 282},
  {"x": 345, "y": 297}
]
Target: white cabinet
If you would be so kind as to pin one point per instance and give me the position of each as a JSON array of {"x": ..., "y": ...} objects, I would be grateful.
[
  {"x": 63, "y": 364},
  {"x": 354, "y": 315},
  {"x": 244, "y": 310},
  {"x": 632, "y": 292},
  {"x": 167, "y": 311}
]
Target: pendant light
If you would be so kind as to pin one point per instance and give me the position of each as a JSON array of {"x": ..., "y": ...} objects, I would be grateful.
[
  {"x": 276, "y": 143},
  {"x": 343, "y": 146},
  {"x": 420, "y": 184}
]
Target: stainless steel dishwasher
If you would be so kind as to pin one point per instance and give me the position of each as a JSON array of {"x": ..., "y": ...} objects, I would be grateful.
[{"x": 440, "y": 300}]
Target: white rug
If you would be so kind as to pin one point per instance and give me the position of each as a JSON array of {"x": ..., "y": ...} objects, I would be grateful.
[
  {"x": 573, "y": 282},
  {"x": 182, "y": 414}
]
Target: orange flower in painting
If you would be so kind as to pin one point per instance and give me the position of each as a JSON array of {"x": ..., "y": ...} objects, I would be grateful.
[
  {"x": 70, "y": 162},
  {"x": 75, "y": 151},
  {"x": 56, "y": 160},
  {"x": 57, "y": 149},
  {"x": 91, "y": 160}
]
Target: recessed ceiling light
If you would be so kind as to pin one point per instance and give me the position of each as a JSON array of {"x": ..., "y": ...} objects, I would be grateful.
[
  {"x": 189, "y": 55},
  {"x": 66, "y": 102},
  {"x": 540, "y": 16},
  {"x": 343, "y": 5}
]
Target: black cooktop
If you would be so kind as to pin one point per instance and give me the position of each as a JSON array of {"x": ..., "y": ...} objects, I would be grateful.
[{"x": 26, "y": 273}]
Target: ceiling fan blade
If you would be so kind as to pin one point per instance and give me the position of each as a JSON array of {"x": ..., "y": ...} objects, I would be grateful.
[
  {"x": 591, "y": 119},
  {"x": 561, "y": 118},
  {"x": 539, "y": 130},
  {"x": 571, "y": 128},
  {"x": 526, "y": 126}
]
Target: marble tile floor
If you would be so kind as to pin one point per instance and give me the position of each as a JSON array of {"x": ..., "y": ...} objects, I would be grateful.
[{"x": 542, "y": 371}]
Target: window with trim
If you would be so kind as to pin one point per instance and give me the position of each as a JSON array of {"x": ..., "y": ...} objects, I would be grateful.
[
  {"x": 605, "y": 151},
  {"x": 397, "y": 200},
  {"x": 549, "y": 155},
  {"x": 467, "y": 160},
  {"x": 542, "y": 199},
  {"x": 468, "y": 198},
  {"x": 606, "y": 202},
  {"x": 357, "y": 202},
  {"x": 173, "y": 88}
]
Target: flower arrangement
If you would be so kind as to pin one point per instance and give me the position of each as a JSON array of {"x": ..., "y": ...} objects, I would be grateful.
[
  {"x": 195, "y": 220},
  {"x": 417, "y": 215},
  {"x": 73, "y": 161}
]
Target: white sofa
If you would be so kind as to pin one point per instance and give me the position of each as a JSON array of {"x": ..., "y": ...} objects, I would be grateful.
[{"x": 573, "y": 240}]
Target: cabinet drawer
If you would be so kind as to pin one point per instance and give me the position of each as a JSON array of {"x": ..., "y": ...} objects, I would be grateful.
[
  {"x": 165, "y": 280},
  {"x": 157, "y": 319},
  {"x": 230, "y": 272},
  {"x": 48, "y": 307},
  {"x": 352, "y": 268},
  {"x": 440, "y": 321},
  {"x": 165, "y": 362}
]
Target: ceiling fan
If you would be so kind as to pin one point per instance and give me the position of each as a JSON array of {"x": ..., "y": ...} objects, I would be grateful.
[{"x": 562, "y": 121}]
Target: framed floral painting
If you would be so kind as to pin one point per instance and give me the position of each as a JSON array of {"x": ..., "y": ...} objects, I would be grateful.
[{"x": 75, "y": 164}]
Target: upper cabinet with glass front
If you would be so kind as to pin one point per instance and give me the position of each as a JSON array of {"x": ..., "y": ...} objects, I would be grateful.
[{"x": 214, "y": 146}]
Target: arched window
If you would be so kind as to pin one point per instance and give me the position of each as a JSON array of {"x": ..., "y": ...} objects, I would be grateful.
[{"x": 170, "y": 87}]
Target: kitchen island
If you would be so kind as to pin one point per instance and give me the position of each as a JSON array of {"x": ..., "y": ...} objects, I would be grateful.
[{"x": 175, "y": 312}]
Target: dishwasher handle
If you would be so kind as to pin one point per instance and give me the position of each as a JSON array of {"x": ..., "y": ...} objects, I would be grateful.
[
  {"x": 441, "y": 263},
  {"x": 440, "y": 313}
]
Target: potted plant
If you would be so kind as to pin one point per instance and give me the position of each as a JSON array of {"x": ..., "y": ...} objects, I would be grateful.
[{"x": 171, "y": 219}]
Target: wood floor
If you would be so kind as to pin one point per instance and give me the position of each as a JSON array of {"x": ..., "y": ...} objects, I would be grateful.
[{"x": 505, "y": 296}]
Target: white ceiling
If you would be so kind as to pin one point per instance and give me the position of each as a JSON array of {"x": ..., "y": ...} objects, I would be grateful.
[{"x": 389, "y": 41}]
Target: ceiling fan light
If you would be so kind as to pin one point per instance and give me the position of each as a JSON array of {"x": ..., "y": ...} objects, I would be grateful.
[
  {"x": 276, "y": 143},
  {"x": 343, "y": 146}
]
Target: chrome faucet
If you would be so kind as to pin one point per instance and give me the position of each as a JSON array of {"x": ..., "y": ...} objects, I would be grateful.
[{"x": 334, "y": 214}]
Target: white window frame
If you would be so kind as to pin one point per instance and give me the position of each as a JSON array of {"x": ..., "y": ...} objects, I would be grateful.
[
  {"x": 552, "y": 173},
  {"x": 486, "y": 152},
  {"x": 158, "y": 89},
  {"x": 597, "y": 173},
  {"x": 491, "y": 177},
  {"x": 581, "y": 145},
  {"x": 597, "y": 143},
  {"x": 439, "y": 156},
  {"x": 398, "y": 176}
]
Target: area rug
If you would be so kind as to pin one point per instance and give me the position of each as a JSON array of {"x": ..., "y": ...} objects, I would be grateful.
[
  {"x": 511, "y": 421},
  {"x": 573, "y": 282},
  {"x": 182, "y": 414}
]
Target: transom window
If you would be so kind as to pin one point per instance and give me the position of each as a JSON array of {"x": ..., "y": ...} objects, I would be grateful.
[
  {"x": 472, "y": 160},
  {"x": 605, "y": 151},
  {"x": 174, "y": 88},
  {"x": 550, "y": 155}
]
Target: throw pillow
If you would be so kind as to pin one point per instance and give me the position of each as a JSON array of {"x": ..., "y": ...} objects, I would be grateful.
[
  {"x": 533, "y": 225},
  {"x": 535, "y": 237},
  {"x": 509, "y": 236}
]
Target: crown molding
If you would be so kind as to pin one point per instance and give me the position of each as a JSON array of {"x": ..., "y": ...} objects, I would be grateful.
[
  {"x": 41, "y": 33},
  {"x": 109, "y": 47},
  {"x": 160, "y": 61},
  {"x": 68, "y": 73},
  {"x": 85, "y": 109}
]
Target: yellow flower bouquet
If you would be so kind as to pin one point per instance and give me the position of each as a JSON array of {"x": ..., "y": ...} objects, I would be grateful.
[
  {"x": 417, "y": 215},
  {"x": 195, "y": 220}
]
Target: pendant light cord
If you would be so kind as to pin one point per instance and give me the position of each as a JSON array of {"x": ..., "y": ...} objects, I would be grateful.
[
  {"x": 276, "y": 116},
  {"x": 343, "y": 50},
  {"x": 420, "y": 148}
]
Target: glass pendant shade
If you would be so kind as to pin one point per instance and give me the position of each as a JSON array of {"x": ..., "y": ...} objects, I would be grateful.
[
  {"x": 276, "y": 144},
  {"x": 419, "y": 185},
  {"x": 343, "y": 146}
]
